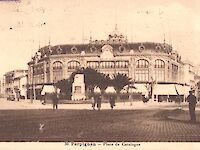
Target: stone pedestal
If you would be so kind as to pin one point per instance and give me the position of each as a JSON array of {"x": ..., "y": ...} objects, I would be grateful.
[{"x": 78, "y": 87}]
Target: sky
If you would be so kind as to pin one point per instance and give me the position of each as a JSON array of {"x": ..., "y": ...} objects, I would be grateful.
[{"x": 27, "y": 24}]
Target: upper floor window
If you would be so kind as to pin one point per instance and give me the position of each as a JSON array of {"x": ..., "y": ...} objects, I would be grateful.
[
  {"x": 142, "y": 70},
  {"x": 57, "y": 65},
  {"x": 174, "y": 68},
  {"x": 159, "y": 63},
  {"x": 121, "y": 64},
  {"x": 73, "y": 65},
  {"x": 57, "y": 71},
  {"x": 38, "y": 69},
  {"x": 142, "y": 63},
  {"x": 107, "y": 64},
  {"x": 93, "y": 64},
  {"x": 159, "y": 71}
]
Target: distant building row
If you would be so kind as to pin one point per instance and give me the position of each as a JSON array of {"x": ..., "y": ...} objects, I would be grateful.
[
  {"x": 144, "y": 62},
  {"x": 14, "y": 83}
]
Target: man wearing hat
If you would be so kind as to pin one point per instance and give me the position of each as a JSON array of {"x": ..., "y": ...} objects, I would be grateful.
[
  {"x": 55, "y": 98},
  {"x": 192, "y": 104}
]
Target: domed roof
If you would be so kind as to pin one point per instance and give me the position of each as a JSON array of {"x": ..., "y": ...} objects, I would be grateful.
[
  {"x": 116, "y": 37},
  {"x": 116, "y": 33}
]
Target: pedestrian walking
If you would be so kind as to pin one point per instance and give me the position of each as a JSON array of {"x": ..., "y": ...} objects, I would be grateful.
[
  {"x": 192, "y": 104},
  {"x": 18, "y": 94},
  {"x": 55, "y": 100},
  {"x": 99, "y": 102},
  {"x": 130, "y": 99},
  {"x": 93, "y": 102},
  {"x": 112, "y": 102}
]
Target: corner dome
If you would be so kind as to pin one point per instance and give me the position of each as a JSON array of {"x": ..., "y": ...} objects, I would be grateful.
[
  {"x": 116, "y": 36},
  {"x": 116, "y": 33}
]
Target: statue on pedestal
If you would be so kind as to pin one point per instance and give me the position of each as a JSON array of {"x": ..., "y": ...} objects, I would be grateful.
[{"x": 78, "y": 87}]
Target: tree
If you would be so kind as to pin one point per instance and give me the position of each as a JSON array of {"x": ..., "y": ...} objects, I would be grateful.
[
  {"x": 119, "y": 81},
  {"x": 103, "y": 81},
  {"x": 91, "y": 77},
  {"x": 65, "y": 87}
]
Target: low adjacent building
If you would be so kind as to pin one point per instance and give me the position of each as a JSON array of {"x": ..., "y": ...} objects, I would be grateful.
[
  {"x": 2, "y": 87},
  {"x": 16, "y": 83}
]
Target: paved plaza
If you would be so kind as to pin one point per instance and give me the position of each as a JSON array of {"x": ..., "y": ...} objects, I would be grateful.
[
  {"x": 36, "y": 104},
  {"x": 139, "y": 122}
]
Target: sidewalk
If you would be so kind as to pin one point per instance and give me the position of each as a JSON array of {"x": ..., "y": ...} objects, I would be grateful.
[{"x": 36, "y": 104}]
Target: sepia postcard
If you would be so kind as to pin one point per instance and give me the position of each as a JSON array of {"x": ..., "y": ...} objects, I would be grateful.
[{"x": 108, "y": 74}]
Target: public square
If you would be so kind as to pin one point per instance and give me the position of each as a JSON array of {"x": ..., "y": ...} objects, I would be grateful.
[{"x": 139, "y": 122}]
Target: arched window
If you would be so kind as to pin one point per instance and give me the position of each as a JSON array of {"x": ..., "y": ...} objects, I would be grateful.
[
  {"x": 57, "y": 65},
  {"x": 142, "y": 70},
  {"x": 159, "y": 70},
  {"x": 57, "y": 71},
  {"x": 142, "y": 63},
  {"x": 73, "y": 65},
  {"x": 159, "y": 63}
]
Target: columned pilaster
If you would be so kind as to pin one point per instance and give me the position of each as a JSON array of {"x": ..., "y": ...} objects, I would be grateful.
[
  {"x": 66, "y": 72},
  {"x": 132, "y": 68},
  {"x": 169, "y": 72},
  {"x": 166, "y": 72},
  {"x": 82, "y": 62},
  {"x": 151, "y": 77},
  {"x": 151, "y": 69},
  {"x": 45, "y": 74},
  {"x": 51, "y": 71}
]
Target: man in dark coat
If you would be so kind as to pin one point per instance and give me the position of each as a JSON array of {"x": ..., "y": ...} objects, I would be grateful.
[
  {"x": 99, "y": 102},
  {"x": 192, "y": 104},
  {"x": 93, "y": 101},
  {"x": 112, "y": 102},
  {"x": 55, "y": 100}
]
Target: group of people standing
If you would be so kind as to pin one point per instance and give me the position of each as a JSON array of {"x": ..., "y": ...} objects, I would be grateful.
[
  {"x": 192, "y": 100},
  {"x": 96, "y": 101}
]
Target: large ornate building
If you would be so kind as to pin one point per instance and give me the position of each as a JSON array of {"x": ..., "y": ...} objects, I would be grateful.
[{"x": 144, "y": 62}]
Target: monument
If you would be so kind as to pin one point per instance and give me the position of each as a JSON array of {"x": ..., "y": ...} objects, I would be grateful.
[{"x": 78, "y": 87}]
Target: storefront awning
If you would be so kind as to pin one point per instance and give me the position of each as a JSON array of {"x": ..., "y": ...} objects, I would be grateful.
[
  {"x": 47, "y": 89},
  {"x": 38, "y": 86},
  {"x": 170, "y": 89},
  {"x": 110, "y": 89},
  {"x": 139, "y": 88}
]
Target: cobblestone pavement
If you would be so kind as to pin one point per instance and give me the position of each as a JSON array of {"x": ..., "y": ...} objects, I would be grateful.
[
  {"x": 167, "y": 128},
  {"x": 139, "y": 122}
]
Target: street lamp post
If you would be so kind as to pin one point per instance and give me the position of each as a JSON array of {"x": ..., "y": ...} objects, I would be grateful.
[{"x": 33, "y": 93}]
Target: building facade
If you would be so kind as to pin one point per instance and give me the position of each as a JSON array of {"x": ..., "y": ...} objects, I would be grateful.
[
  {"x": 16, "y": 83},
  {"x": 144, "y": 63},
  {"x": 189, "y": 74},
  {"x": 2, "y": 88}
]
